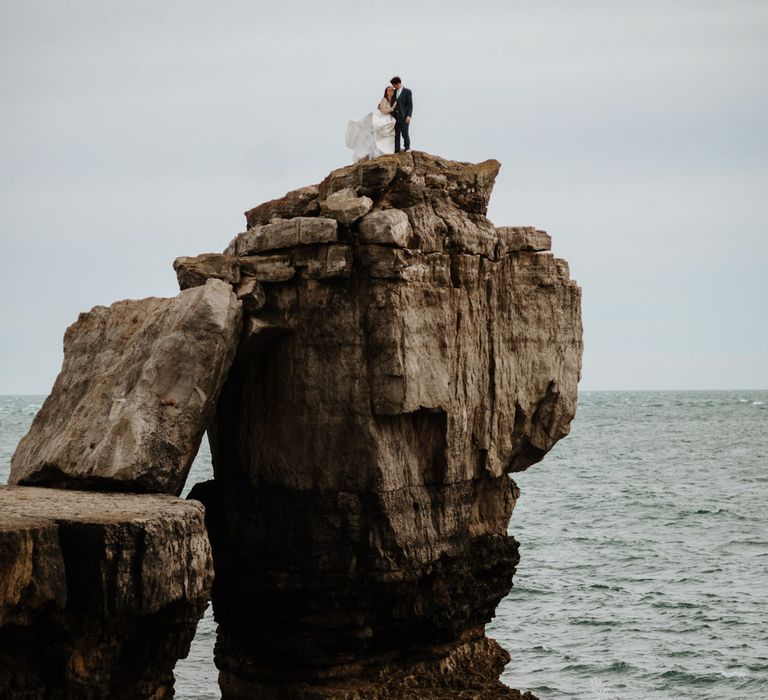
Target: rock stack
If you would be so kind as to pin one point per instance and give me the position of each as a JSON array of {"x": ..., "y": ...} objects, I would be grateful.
[
  {"x": 400, "y": 357},
  {"x": 372, "y": 359}
]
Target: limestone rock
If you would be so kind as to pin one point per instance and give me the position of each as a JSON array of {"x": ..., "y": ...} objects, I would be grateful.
[
  {"x": 100, "y": 594},
  {"x": 445, "y": 201},
  {"x": 364, "y": 440},
  {"x": 279, "y": 234},
  {"x": 267, "y": 268},
  {"x": 32, "y": 575},
  {"x": 193, "y": 272},
  {"x": 386, "y": 227},
  {"x": 345, "y": 206},
  {"x": 407, "y": 179},
  {"x": 258, "y": 331},
  {"x": 318, "y": 230},
  {"x": 468, "y": 670},
  {"x": 324, "y": 261},
  {"x": 251, "y": 294},
  {"x": 385, "y": 262},
  {"x": 284, "y": 234},
  {"x": 301, "y": 202},
  {"x": 146, "y": 551},
  {"x": 513, "y": 239},
  {"x": 137, "y": 389}
]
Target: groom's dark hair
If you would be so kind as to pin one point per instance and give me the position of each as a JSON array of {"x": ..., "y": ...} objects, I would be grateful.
[{"x": 396, "y": 80}]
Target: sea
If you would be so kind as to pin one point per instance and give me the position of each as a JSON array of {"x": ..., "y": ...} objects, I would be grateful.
[{"x": 644, "y": 552}]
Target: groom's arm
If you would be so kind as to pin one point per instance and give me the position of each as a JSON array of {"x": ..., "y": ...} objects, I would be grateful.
[{"x": 409, "y": 107}]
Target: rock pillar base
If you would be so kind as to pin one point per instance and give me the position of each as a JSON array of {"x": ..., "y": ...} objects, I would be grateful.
[{"x": 464, "y": 670}]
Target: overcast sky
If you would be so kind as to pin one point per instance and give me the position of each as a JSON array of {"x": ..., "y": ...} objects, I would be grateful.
[{"x": 634, "y": 132}]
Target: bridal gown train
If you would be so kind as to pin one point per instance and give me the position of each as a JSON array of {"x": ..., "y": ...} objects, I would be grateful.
[{"x": 372, "y": 135}]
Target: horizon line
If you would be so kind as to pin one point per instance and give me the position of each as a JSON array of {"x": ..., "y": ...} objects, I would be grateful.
[{"x": 580, "y": 391}]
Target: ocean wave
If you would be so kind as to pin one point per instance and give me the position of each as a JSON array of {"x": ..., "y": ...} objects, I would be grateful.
[
  {"x": 754, "y": 684},
  {"x": 723, "y": 512},
  {"x": 673, "y": 606},
  {"x": 614, "y": 668},
  {"x": 745, "y": 543},
  {"x": 580, "y": 668},
  {"x": 683, "y": 653},
  {"x": 606, "y": 587},
  {"x": 678, "y": 676},
  {"x": 528, "y": 591},
  {"x": 593, "y": 622},
  {"x": 689, "y": 579},
  {"x": 704, "y": 511},
  {"x": 620, "y": 667},
  {"x": 547, "y": 691}
]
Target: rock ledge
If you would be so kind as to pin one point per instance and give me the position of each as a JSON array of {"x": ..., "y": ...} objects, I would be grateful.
[{"x": 100, "y": 594}]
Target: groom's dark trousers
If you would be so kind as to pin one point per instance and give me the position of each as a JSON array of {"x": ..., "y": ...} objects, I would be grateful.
[{"x": 403, "y": 109}]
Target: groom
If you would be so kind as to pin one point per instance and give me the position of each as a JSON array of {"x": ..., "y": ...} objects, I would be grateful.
[{"x": 402, "y": 113}]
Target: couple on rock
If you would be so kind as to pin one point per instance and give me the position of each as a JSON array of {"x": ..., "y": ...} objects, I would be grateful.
[{"x": 380, "y": 132}]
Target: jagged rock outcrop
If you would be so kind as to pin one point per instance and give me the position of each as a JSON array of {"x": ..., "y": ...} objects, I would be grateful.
[
  {"x": 396, "y": 358},
  {"x": 136, "y": 392},
  {"x": 405, "y": 357},
  {"x": 100, "y": 594}
]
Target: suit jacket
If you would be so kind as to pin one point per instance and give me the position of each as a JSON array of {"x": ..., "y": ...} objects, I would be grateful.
[{"x": 404, "y": 106}]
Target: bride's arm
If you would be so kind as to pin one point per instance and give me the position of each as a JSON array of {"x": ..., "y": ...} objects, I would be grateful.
[{"x": 386, "y": 108}]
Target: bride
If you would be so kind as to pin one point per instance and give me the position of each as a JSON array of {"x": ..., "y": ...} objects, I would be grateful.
[{"x": 374, "y": 134}]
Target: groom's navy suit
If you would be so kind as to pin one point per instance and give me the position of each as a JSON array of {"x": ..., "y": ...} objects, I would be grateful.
[{"x": 403, "y": 109}]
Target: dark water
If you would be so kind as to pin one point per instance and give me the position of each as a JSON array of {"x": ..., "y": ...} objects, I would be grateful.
[{"x": 644, "y": 542}]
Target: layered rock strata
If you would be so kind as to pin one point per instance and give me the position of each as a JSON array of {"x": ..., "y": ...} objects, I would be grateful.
[
  {"x": 100, "y": 594},
  {"x": 137, "y": 389},
  {"x": 396, "y": 357},
  {"x": 400, "y": 357}
]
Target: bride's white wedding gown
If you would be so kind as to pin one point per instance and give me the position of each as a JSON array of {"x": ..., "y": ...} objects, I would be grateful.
[{"x": 372, "y": 135}]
